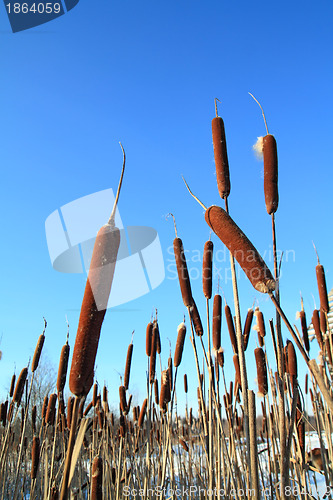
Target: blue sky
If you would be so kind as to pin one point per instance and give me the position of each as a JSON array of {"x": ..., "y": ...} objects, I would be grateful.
[{"x": 147, "y": 74}]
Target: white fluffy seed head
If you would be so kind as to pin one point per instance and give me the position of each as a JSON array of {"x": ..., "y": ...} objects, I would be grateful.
[
  {"x": 181, "y": 326},
  {"x": 258, "y": 148}
]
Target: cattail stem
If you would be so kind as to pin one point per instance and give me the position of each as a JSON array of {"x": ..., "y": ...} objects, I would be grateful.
[
  {"x": 70, "y": 448},
  {"x": 253, "y": 445}
]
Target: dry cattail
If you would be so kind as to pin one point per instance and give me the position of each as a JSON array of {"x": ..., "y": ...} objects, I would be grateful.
[
  {"x": 128, "y": 365},
  {"x": 221, "y": 157},
  {"x": 156, "y": 393},
  {"x": 170, "y": 372},
  {"x": 88, "y": 408},
  {"x": 247, "y": 328},
  {"x": 185, "y": 384},
  {"x": 95, "y": 394},
  {"x": 70, "y": 405},
  {"x": 122, "y": 397},
  {"x": 315, "y": 459},
  {"x": 19, "y": 388},
  {"x": 181, "y": 332},
  {"x": 300, "y": 424},
  {"x": 37, "y": 353},
  {"x": 237, "y": 369},
  {"x": 260, "y": 323},
  {"x": 33, "y": 418},
  {"x": 94, "y": 303},
  {"x": 3, "y": 413},
  {"x": 62, "y": 370},
  {"x": 270, "y": 174},
  {"x": 231, "y": 328},
  {"x": 158, "y": 339},
  {"x": 35, "y": 451},
  {"x": 12, "y": 386},
  {"x": 142, "y": 413},
  {"x": 149, "y": 335},
  {"x": 152, "y": 365},
  {"x": 322, "y": 289},
  {"x": 50, "y": 412},
  {"x": 217, "y": 321},
  {"x": 241, "y": 248},
  {"x": 207, "y": 269},
  {"x": 306, "y": 382},
  {"x": 316, "y": 327},
  {"x": 97, "y": 479},
  {"x": 220, "y": 357},
  {"x": 304, "y": 330},
  {"x": 196, "y": 320},
  {"x": 292, "y": 362},
  {"x": 44, "y": 407},
  {"x": 261, "y": 371},
  {"x": 165, "y": 395},
  {"x": 183, "y": 276}
]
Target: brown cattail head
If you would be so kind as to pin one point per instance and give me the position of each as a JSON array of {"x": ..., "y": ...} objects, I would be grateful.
[
  {"x": 221, "y": 157},
  {"x": 183, "y": 443},
  {"x": 322, "y": 289},
  {"x": 62, "y": 370},
  {"x": 156, "y": 392},
  {"x": 50, "y": 412},
  {"x": 304, "y": 330},
  {"x": 196, "y": 320},
  {"x": 3, "y": 413},
  {"x": 241, "y": 248},
  {"x": 19, "y": 388},
  {"x": 97, "y": 479},
  {"x": 12, "y": 386},
  {"x": 170, "y": 372},
  {"x": 306, "y": 383},
  {"x": 149, "y": 335},
  {"x": 323, "y": 322},
  {"x": 70, "y": 405},
  {"x": 142, "y": 413},
  {"x": 261, "y": 371},
  {"x": 231, "y": 328},
  {"x": 181, "y": 333},
  {"x": 207, "y": 269},
  {"x": 185, "y": 384},
  {"x": 292, "y": 362},
  {"x": 128, "y": 365},
  {"x": 183, "y": 276},
  {"x": 33, "y": 418},
  {"x": 93, "y": 309},
  {"x": 165, "y": 394},
  {"x": 44, "y": 407},
  {"x": 270, "y": 174},
  {"x": 316, "y": 327},
  {"x": 238, "y": 379},
  {"x": 247, "y": 328},
  {"x": 37, "y": 353},
  {"x": 220, "y": 357},
  {"x": 35, "y": 451},
  {"x": 122, "y": 398},
  {"x": 260, "y": 323},
  {"x": 152, "y": 365},
  {"x": 217, "y": 321},
  {"x": 158, "y": 339}
]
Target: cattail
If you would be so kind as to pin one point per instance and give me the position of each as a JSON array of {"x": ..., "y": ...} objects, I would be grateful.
[
  {"x": 183, "y": 276},
  {"x": 94, "y": 304},
  {"x": 237, "y": 369},
  {"x": 62, "y": 370},
  {"x": 270, "y": 174},
  {"x": 50, "y": 412},
  {"x": 142, "y": 413},
  {"x": 35, "y": 451},
  {"x": 306, "y": 383},
  {"x": 128, "y": 365},
  {"x": 185, "y": 384},
  {"x": 220, "y": 357},
  {"x": 231, "y": 328},
  {"x": 261, "y": 371},
  {"x": 247, "y": 328},
  {"x": 95, "y": 394},
  {"x": 19, "y": 388},
  {"x": 149, "y": 335},
  {"x": 97, "y": 479},
  {"x": 207, "y": 269},
  {"x": 241, "y": 248},
  {"x": 3, "y": 413},
  {"x": 33, "y": 418},
  {"x": 315, "y": 459},
  {"x": 152, "y": 366},
  {"x": 304, "y": 330},
  {"x": 316, "y": 327},
  {"x": 158, "y": 339},
  {"x": 170, "y": 372},
  {"x": 165, "y": 395},
  {"x": 135, "y": 413},
  {"x": 37, "y": 353},
  {"x": 44, "y": 407},
  {"x": 217, "y": 321},
  {"x": 323, "y": 322},
  {"x": 70, "y": 405},
  {"x": 322, "y": 289},
  {"x": 196, "y": 320},
  {"x": 292, "y": 362},
  {"x": 122, "y": 397},
  {"x": 300, "y": 424},
  {"x": 260, "y": 323},
  {"x": 12, "y": 386},
  {"x": 221, "y": 157},
  {"x": 183, "y": 443},
  {"x": 157, "y": 399},
  {"x": 181, "y": 332}
]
